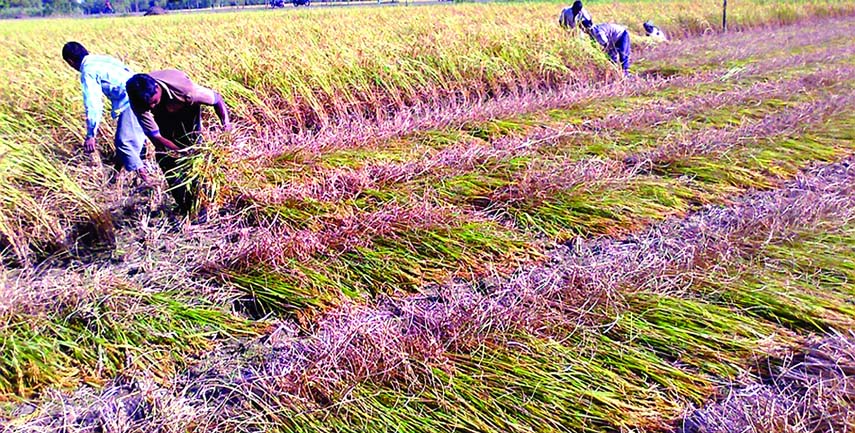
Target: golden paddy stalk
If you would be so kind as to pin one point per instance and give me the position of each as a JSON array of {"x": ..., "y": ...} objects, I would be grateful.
[
  {"x": 311, "y": 66},
  {"x": 302, "y": 69}
]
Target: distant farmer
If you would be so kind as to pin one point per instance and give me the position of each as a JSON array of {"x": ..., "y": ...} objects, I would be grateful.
[
  {"x": 613, "y": 38},
  {"x": 572, "y": 16},
  {"x": 653, "y": 32},
  {"x": 107, "y": 75},
  {"x": 169, "y": 108}
]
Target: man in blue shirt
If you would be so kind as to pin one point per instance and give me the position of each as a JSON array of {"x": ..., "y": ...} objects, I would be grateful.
[
  {"x": 613, "y": 38},
  {"x": 108, "y": 75}
]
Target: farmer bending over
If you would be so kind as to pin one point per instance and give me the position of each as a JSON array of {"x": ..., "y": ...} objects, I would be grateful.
[
  {"x": 107, "y": 75},
  {"x": 654, "y": 32},
  {"x": 169, "y": 108},
  {"x": 573, "y": 15},
  {"x": 613, "y": 38}
]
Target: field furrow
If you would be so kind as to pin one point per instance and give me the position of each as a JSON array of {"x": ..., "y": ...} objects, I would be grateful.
[
  {"x": 557, "y": 191},
  {"x": 344, "y": 173},
  {"x": 499, "y": 358}
]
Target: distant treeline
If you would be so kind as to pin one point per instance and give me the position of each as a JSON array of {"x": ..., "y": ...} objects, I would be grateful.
[{"x": 35, "y": 8}]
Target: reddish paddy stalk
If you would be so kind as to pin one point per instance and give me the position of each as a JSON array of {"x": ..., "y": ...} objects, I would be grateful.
[
  {"x": 388, "y": 341},
  {"x": 342, "y": 183},
  {"x": 354, "y": 132},
  {"x": 276, "y": 245},
  {"x": 809, "y": 390},
  {"x": 790, "y": 121}
]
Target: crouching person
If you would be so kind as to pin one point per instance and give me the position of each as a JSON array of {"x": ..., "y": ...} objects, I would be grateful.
[
  {"x": 107, "y": 75},
  {"x": 168, "y": 106},
  {"x": 614, "y": 39}
]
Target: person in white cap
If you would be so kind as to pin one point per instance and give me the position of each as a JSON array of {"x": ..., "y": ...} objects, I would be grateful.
[{"x": 653, "y": 32}]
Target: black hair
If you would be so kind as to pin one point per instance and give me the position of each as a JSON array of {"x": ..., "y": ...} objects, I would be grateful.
[
  {"x": 587, "y": 24},
  {"x": 577, "y": 6},
  {"x": 141, "y": 88},
  {"x": 74, "y": 52}
]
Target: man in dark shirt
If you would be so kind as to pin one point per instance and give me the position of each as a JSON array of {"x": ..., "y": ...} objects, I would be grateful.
[
  {"x": 573, "y": 15},
  {"x": 168, "y": 106}
]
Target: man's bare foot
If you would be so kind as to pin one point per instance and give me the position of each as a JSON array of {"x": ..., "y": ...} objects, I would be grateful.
[
  {"x": 144, "y": 177},
  {"x": 94, "y": 158},
  {"x": 113, "y": 177}
]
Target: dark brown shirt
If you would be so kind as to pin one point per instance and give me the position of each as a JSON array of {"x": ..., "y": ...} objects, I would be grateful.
[{"x": 177, "y": 114}]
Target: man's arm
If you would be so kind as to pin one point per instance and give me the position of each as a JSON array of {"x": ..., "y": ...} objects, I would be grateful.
[
  {"x": 204, "y": 95},
  {"x": 222, "y": 112},
  {"x": 94, "y": 107},
  {"x": 163, "y": 141},
  {"x": 583, "y": 15},
  {"x": 152, "y": 130}
]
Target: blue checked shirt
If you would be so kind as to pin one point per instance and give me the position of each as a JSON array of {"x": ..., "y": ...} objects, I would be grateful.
[{"x": 107, "y": 75}]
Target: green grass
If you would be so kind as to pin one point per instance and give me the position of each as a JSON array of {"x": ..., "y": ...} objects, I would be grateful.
[
  {"x": 98, "y": 339},
  {"x": 407, "y": 259},
  {"x": 805, "y": 285},
  {"x": 604, "y": 208},
  {"x": 404, "y": 262},
  {"x": 658, "y": 353}
]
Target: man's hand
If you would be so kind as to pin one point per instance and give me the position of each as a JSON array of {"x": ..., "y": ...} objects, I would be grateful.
[
  {"x": 180, "y": 152},
  {"x": 227, "y": 127},
  {"x": 167, "y": 145},
  {"x": 89, "y": 145}
]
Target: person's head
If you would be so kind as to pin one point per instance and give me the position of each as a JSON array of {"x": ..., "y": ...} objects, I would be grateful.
[
  {"x": 648, "y": 26},
  {"x": 587, "y": 24},
  {"x": 73, "y": 54},
  {"x": 577, "y": 7},
  {"x": 143, "y": 92}
]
